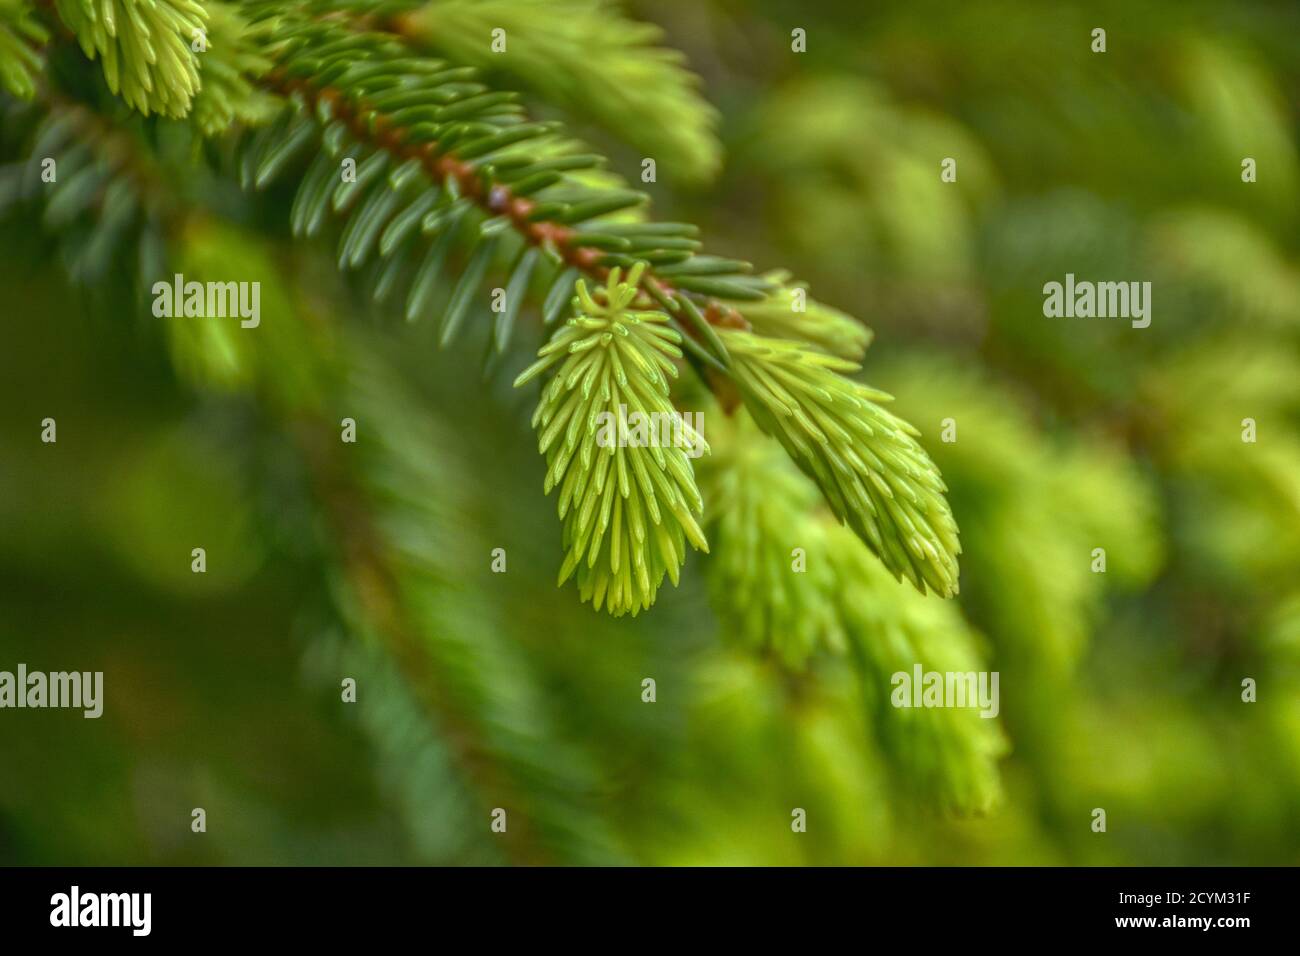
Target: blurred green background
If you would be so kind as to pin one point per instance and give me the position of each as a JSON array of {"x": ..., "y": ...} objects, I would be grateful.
[{"x": 1119, "y": 690}]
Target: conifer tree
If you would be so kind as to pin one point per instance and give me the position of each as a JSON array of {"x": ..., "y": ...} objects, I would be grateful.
[
  {"x": 432, "y": 176},
  {"x": 408, "y": 181},
  {"x": 393, "y": 128}
]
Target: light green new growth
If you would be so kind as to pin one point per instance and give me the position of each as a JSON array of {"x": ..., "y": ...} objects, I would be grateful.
[
  {"x": 831, "y": 595},
  {"x": 228, "y": 69},
  {"x": 866, "y": 461},
  {"x": 588, "y": 56},
  {"x": 145, "y": 46},
  {"x": 627, "y": 511},
  {"x": 777, "y": 599},
  {"x": 790, "y": 314},
  {"x": 19, "y": 62}
]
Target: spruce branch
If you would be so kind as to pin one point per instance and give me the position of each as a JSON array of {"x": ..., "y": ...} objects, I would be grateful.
[
  {"x": 447, "y": 169},
  {"x": 888, "y": 491},
  {"x": 110, "y": 207},
  {"x": 588, "y": 58},
  {"x": 22, "y": 38},
  {"x": 445, "y": 143},
  {"x": 471, "y": 682},
  {"x": 488, "y": 697}
]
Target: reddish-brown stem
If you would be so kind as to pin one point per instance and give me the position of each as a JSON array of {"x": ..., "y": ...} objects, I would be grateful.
[{"x": 368, "y": 125}]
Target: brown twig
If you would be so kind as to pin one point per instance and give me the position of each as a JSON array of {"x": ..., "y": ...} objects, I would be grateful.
[{"x": 369, "y": 125}]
